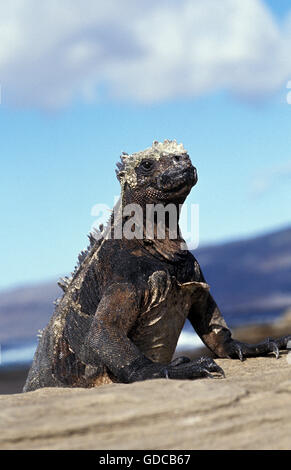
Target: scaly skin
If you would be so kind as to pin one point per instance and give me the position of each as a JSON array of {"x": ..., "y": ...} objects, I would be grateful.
[{"x": 126, "y": 303}]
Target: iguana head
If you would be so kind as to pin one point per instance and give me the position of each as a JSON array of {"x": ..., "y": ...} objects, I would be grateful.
[{"x": 161, "y": 173}]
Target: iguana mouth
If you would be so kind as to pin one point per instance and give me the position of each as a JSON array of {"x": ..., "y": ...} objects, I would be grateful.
[{"x": 176, "y": 181}]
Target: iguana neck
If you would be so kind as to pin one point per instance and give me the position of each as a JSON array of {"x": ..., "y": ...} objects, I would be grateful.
[{"x": 166, "y": 243}]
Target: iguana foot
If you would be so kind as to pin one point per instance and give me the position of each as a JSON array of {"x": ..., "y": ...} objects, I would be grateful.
[
  {"x": 184, "y": 368},
  {"x": 181, "y": 368},
  {"x": 180, "y": 360},
  {"x": 235, "y": 349}
]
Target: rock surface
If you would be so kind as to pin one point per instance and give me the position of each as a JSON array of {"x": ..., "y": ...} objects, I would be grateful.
[{"x": 249, "y": 409}]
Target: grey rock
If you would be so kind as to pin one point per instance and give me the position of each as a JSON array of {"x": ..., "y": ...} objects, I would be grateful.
[{"x": 249, "y": 409}]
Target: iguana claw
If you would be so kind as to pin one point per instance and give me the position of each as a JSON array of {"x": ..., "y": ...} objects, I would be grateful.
[
  {"x": 241, "y": 350},
  {"x": 275, "y": 349},
  {"x": 219, "y": 373},
  {"x": 238, "y": 350}
]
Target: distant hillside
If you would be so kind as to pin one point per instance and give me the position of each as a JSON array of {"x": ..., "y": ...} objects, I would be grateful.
[
  {"x": 23, "y": 311},
  {"x": 250, "y": 279}
]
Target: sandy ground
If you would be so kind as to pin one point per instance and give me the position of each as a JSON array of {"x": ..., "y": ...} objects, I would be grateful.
[{"x": 249, "y": 409}]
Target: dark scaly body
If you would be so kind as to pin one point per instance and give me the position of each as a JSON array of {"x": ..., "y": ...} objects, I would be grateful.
[{"x": 124, "y": 307}]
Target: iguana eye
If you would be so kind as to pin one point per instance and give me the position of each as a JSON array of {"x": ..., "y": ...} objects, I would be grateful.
[{"x": 147, "y": 164}]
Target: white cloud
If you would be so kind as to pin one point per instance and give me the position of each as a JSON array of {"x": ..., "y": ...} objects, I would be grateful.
[
  {"x": 269, "y": 178},
  {"x": 147, "y": 51}
]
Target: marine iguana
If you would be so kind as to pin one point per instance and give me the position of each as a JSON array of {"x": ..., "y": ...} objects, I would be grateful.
[{"x": 125, "y": 305}]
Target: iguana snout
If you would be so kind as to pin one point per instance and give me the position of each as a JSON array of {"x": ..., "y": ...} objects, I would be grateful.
[{"x": 180, "y": 175}]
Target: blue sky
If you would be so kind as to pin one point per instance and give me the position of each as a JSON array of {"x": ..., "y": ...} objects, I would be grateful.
[{"x": 63, "y": 128}]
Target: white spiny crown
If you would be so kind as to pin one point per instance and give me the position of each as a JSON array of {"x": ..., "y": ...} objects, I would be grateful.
[{"x": 126, "y": 169}]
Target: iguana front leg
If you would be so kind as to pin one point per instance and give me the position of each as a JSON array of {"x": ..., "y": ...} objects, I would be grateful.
[
  {"x": 108, "y": 343},
  {"x": 207, "y": 320}
]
